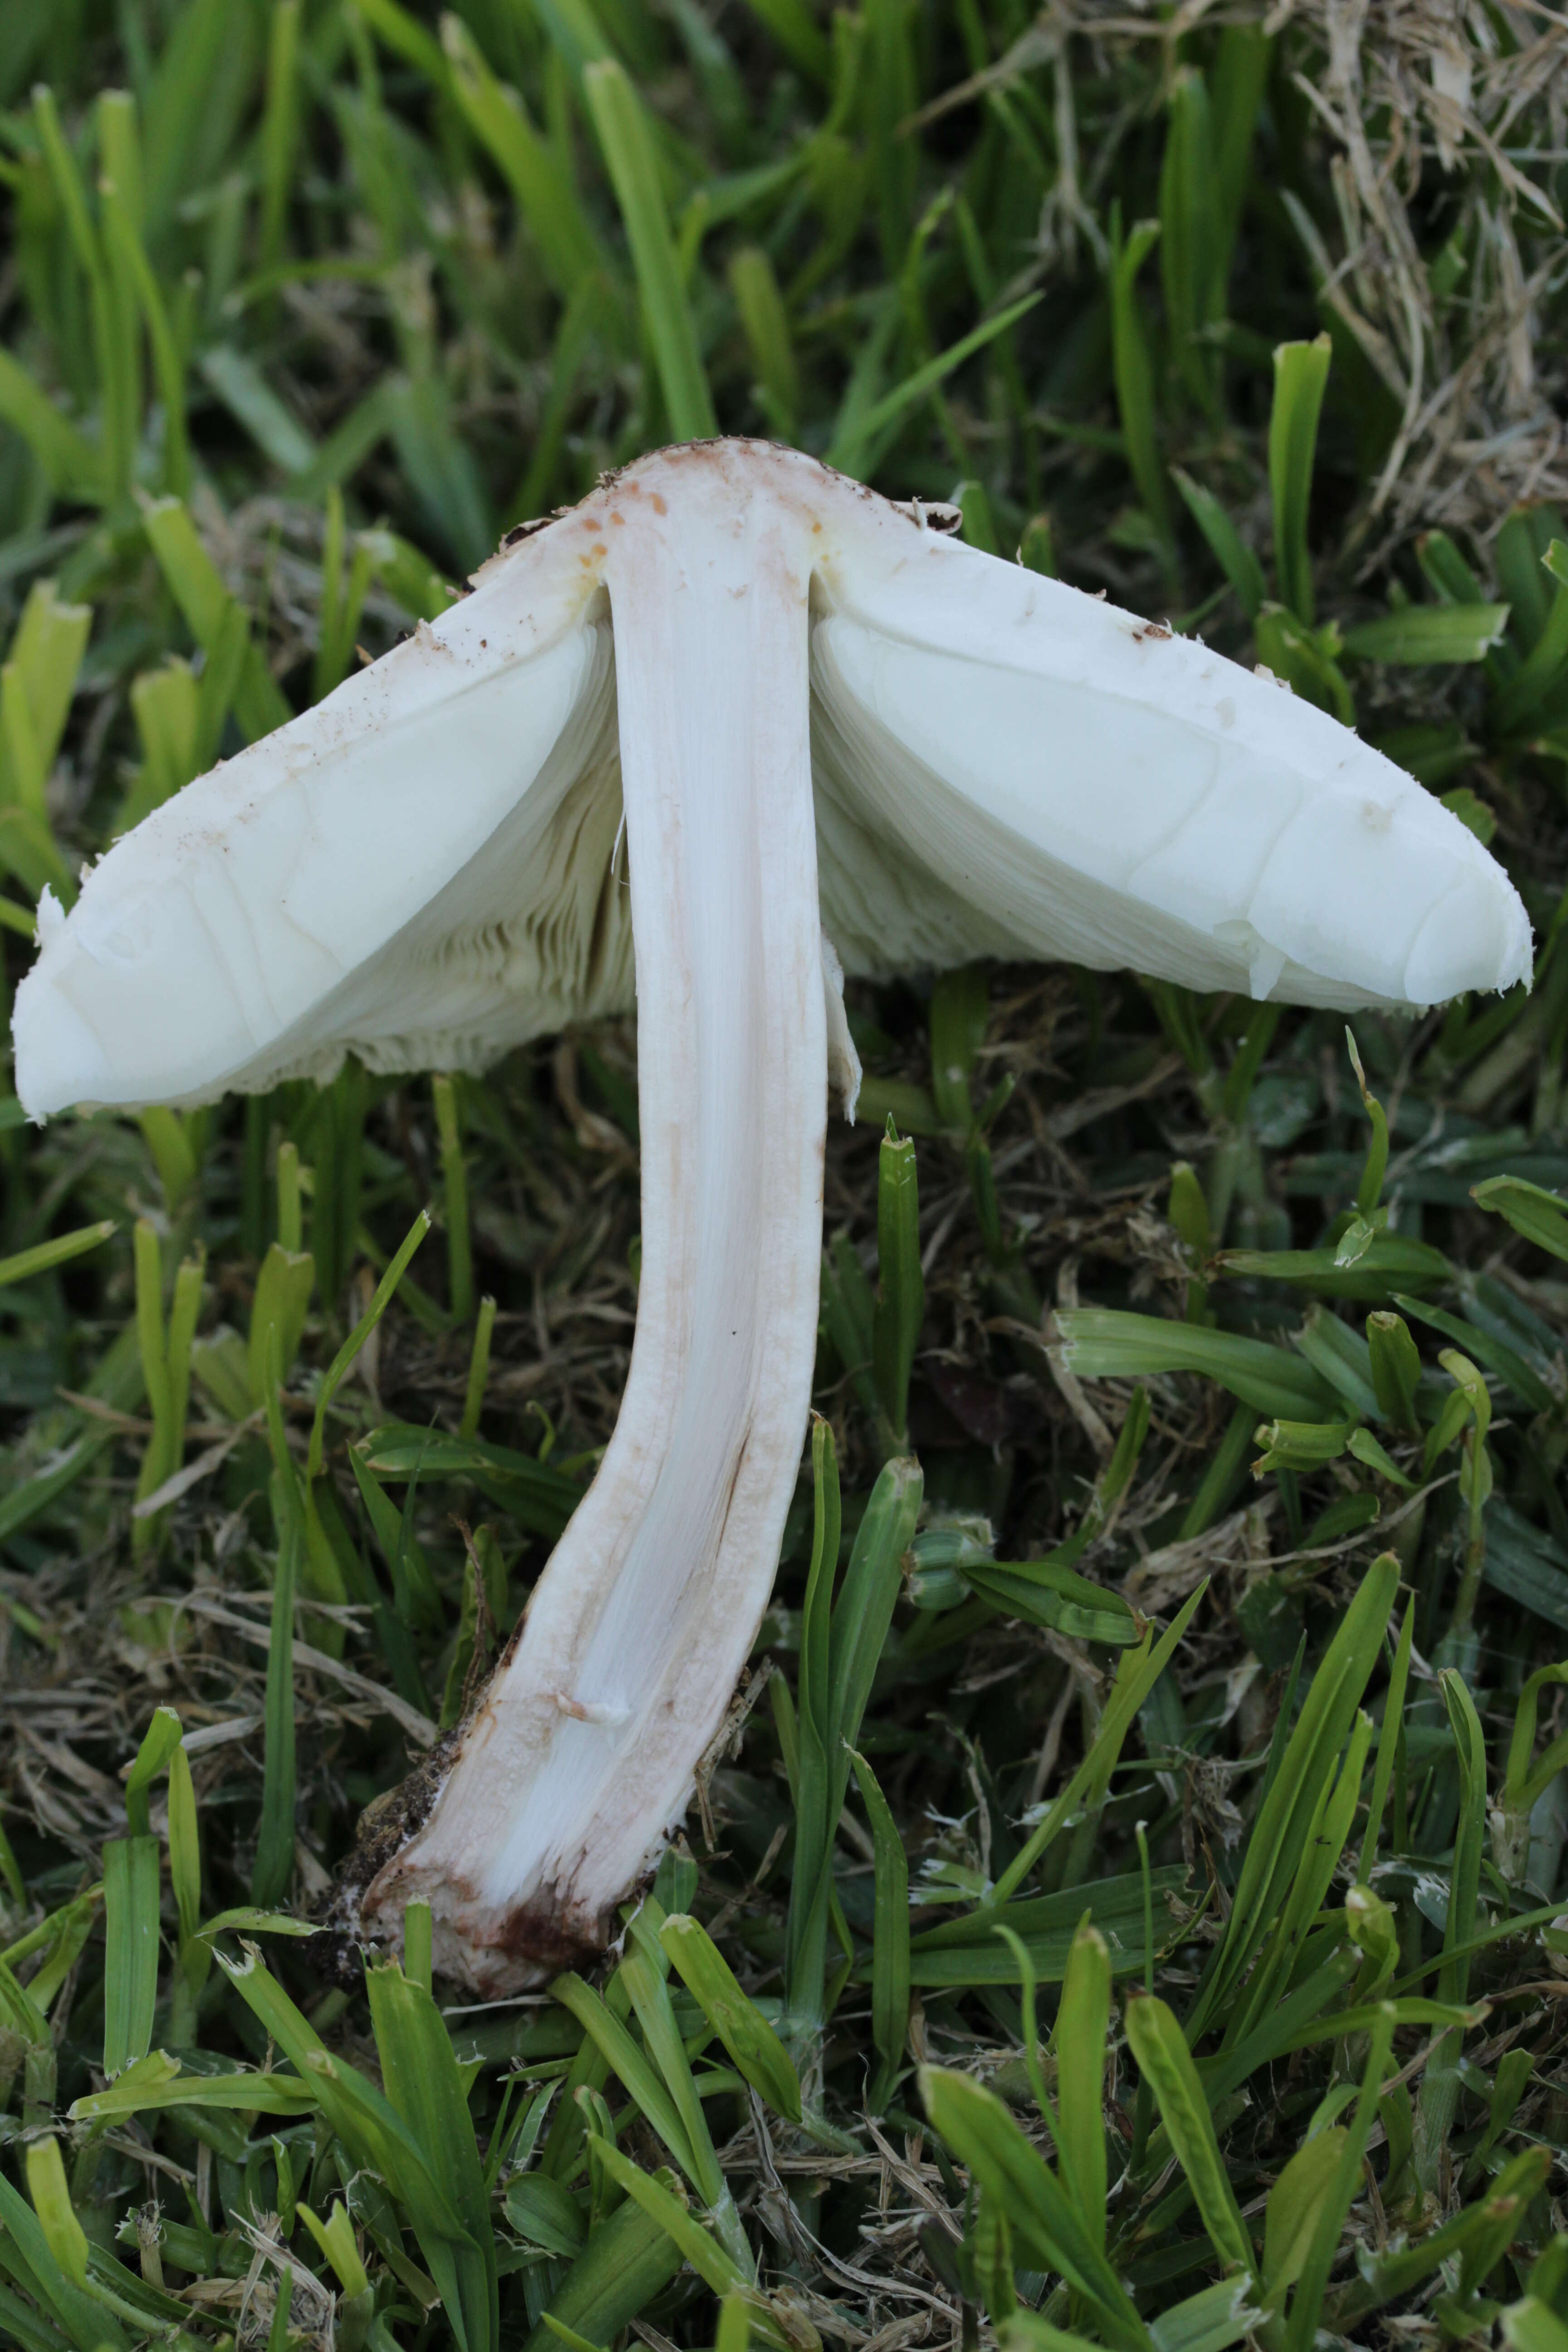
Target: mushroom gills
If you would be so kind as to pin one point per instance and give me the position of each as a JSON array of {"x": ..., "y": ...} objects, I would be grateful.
[
  {"x": 538, "y": 917},
  {"x": 421, "y": 876}
]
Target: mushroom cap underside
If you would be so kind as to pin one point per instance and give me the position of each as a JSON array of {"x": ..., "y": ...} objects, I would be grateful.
[{"x": 427, "y": 869}]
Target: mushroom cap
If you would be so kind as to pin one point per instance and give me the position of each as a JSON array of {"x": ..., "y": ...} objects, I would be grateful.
[
  {"x": 422, "y": 868},
  {"x": 418, "y": 870},
  {"x": 1038, "y": 774}
]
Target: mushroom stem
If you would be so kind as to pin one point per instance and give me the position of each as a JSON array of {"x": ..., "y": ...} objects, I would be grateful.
[{"x": 582, "y": 1754}]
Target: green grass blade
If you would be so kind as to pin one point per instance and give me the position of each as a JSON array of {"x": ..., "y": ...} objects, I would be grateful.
[
  {"x": 901, "y": 1301},
  {"x": 279, "y": 128},
  {"x": 1321, "y": 1849},
  {"x": 1388, "y": 1745},
  {"x": 1541, "y": 676},
  {"x": 368, "y": 2125},
  {"x": 797, "y": 33},
  {"x": 865, "y": 1610},
  {"x": 1137, "y": 1674},
  {"x": 623, "y": 133},
  {"x": 26, "y": 1263},
  {"x": 1523, "y": 545},
  {"x": 662, "y": 2043},
  {"x": 1237, "y": 92},
  {"x": 755, "y": 2049},
  {"x": 274, "y": 1865},
  {"x": 1528, "y": 1208},
  {"x": 1190, "y": 260},
  {"x": 479, "y": 1369},
  {"x": 202, "y": 599},
  {"x": 764, "y": 318},
  {"x": 1081, "y": 2040},
  {"x": 805, "y": 1945},
  {"x": 427, "y": 2089},
  {"x": 1306, "y": 2307},
  {"x": 342, "y": 1362},
  {"x": 1296, "y": 2204},
  {"x": 1043, "y": 2222},
  {"x": 115, "y": 365},
  {"x": 629, "y": 2258},
  {"x": 1102, "y": 1343},
  {"x": 241, "y": 385},
  {"x": 130, "y": 1881},
  {"x": 1532, "y": 2326},
  {"x": 1417, "y": 635},
  {"x": 40, "y": 679},
  {"x": 1297, "y": 1794},
  {"x": 158, "y": 1745},
  {"x": 455, "y": 1200},
  {"x": 157, "y": 2084},
  {"x": 1225, "y": 544},
  {"x": 635, "y": 2069},
  {"x": 891, "y": 1937},
  {"x": 859, "y": 440},
  {"x": 568, "y": 249},
  {"x": 1469, "y": 1838},
  {"x": 129, "y": 255},
  {"x": 1133, "y": 371},
  {"x": 1159, "y": 2047},
  {"x": 184, "y": 1845},
  {"x": 1301, "y": 373},
  {"x": 57, "y": 2215},
  {"x": 712, "y": 2263},
  {"x": 71, "y": 463},
  {"x": 80, "y": 2313},
  {"x": 1042, "y": 1592},
  {"x": 117, "y": 1381}
]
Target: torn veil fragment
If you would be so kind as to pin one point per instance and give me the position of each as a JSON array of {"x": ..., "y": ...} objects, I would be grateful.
[{"x": 840, "y": 741}]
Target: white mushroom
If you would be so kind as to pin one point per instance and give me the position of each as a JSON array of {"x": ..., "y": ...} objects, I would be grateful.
[{"x": 819, "y": 717}]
